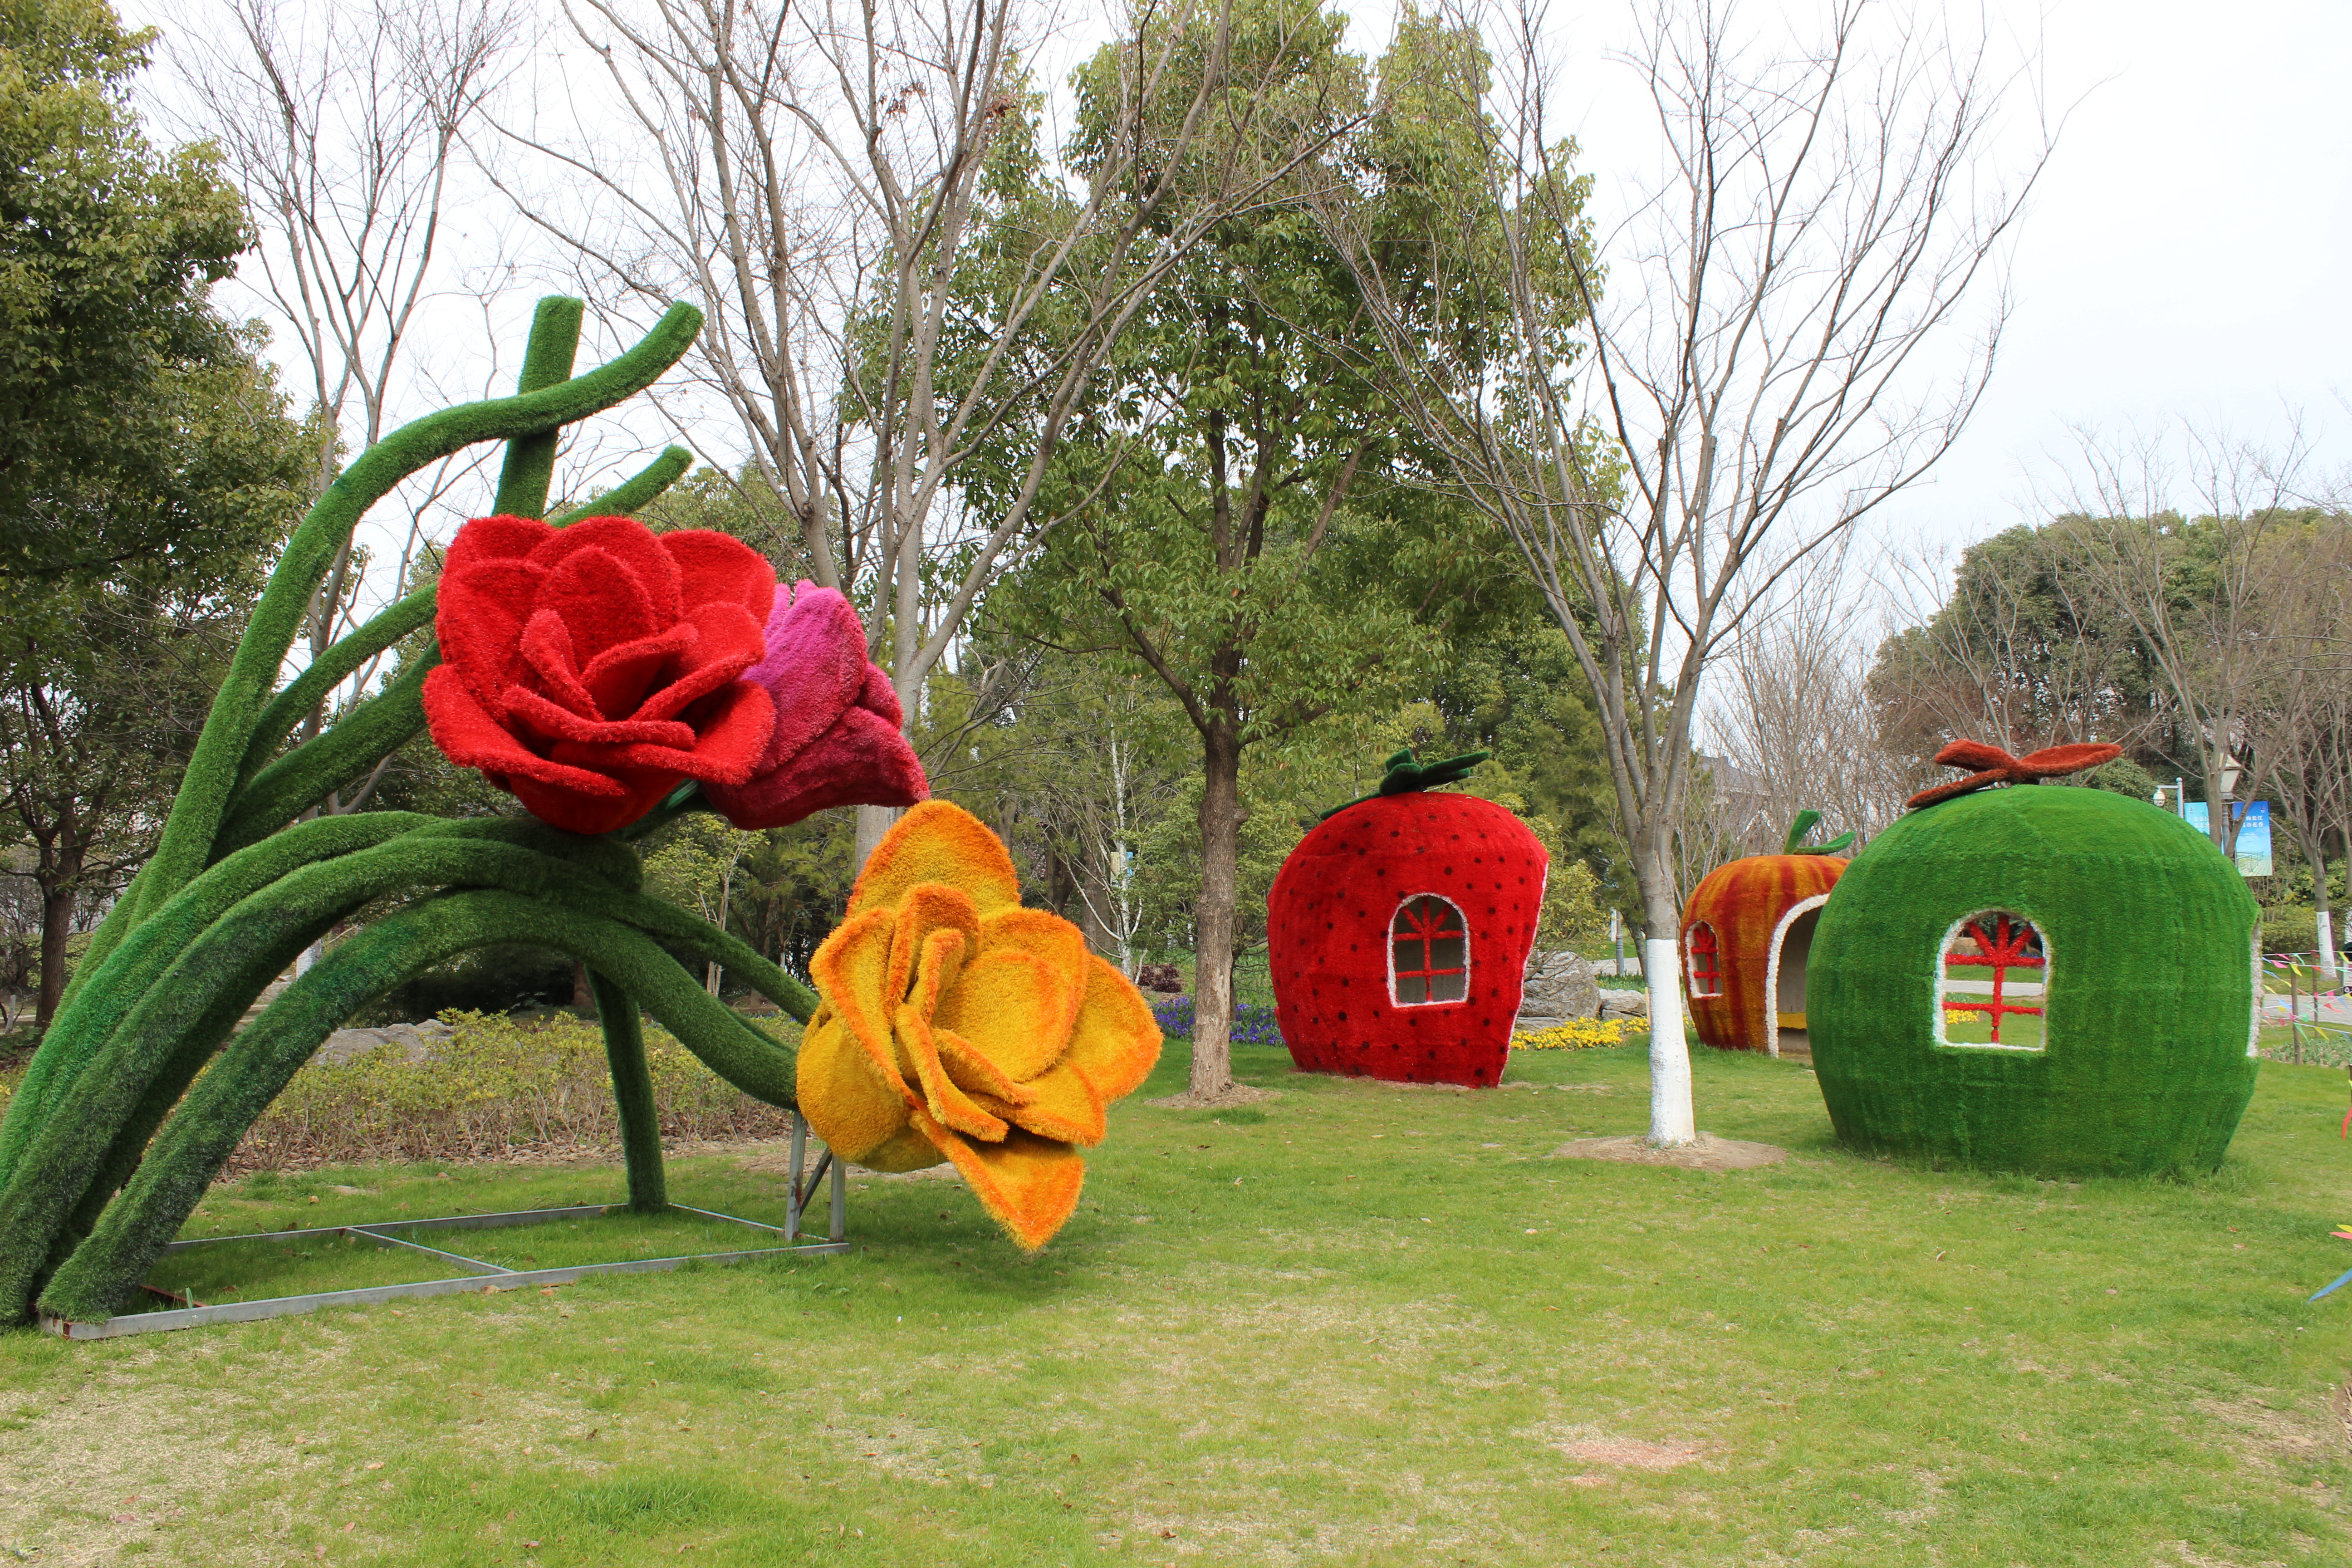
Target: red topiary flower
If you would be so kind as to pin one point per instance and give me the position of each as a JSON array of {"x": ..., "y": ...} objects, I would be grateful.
[
  {"x": 588, "y": 669},
  {"x": 836, "y": 739}
]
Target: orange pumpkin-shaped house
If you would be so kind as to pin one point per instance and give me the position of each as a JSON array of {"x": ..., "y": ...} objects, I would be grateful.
[
  {"x": 1747, "y": 931},
  {"x": 1398, "y": 932}
]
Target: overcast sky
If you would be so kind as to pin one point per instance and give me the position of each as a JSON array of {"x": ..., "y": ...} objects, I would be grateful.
[
  {"x": 2185, "y": 254},
  {"x": 2188, "y": 252}
]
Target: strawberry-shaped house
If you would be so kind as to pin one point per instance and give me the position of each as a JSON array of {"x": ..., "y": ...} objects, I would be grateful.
[
  {"x": 1398, "y": 928},
  {"x": 1746, "y": 932}
]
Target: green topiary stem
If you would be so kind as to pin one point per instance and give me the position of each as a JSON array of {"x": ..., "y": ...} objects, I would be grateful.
[
  {"x": 103, "y": 1121},
  {"x": 308, "y": 688},
  {"x": 192, "y": 1146},
  {"x": 303, "y": 776},
  {"x": 633, "y": 1096},
  {"x": 204, "y": 796},
  {"x": 125, "y": 975},
  {"x": 707, "y": 942},
  {"x": 531, "y": 459},
  {"x": 635, "y": 491}
]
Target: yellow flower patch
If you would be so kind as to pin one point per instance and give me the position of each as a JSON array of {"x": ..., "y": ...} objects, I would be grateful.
[{"x": 1576, "y": 1034}]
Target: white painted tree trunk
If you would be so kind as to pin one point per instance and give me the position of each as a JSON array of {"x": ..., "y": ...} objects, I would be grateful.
[
  {"x": 1672, "y": 1118},
  {"x": 2327, "y": 946}
]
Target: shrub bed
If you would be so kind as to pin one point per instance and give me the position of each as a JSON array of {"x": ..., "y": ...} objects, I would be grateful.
[{"x": 496, "y": 1087}]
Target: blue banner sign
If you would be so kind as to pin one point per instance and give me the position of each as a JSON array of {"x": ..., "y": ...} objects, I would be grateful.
[{"x": 2254, "y": 834}]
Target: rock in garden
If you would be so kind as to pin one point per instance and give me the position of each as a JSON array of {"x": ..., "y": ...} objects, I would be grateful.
[
  {"x": 1558, "y": 986},
  {"x": 1624, "y": 1004}
]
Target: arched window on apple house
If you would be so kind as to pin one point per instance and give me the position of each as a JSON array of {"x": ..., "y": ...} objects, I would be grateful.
[
  {"x": 1429, "y": 953},
  {"x": 1992, "y": 983},
  {"x": 1702, "y": 958}
]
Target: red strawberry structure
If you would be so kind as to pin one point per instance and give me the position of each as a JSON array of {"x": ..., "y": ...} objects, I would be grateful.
[{"x": 1398, "y": 932}]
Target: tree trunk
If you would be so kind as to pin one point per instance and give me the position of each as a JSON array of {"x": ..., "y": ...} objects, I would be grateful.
[
  {"x": 2315, "y": 852},
  {"x": 582, "y": 996},
  {"x": 873, "y": 822},
  {"x": 56, "y": 925},
  {"x": 1212, "y": 917},
  {"x": 1671, "y": 1117}
]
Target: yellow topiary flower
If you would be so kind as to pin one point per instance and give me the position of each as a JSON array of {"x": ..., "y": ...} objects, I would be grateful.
[{"x": 957, "y": 1025}]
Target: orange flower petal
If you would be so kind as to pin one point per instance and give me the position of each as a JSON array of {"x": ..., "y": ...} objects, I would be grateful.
[
  {"x": 1014, "y": 1009},
  {"x": 974, "y": 1072},
  {"x": 1062, "y": 1104},
  {"x": 926, "y": 908},
  {"x": 1054, "y": 941},
  {"x": 947, "y": 1102},
  {"x": 850, "y": 969},
  {"x": 1028, "y": 1185},
  {"x": 1116, "y": 1041},
  {"x": 842, "y": 1093},
  {"x": 906, "y": 1150},
  {"x": 938, "y": 842}
]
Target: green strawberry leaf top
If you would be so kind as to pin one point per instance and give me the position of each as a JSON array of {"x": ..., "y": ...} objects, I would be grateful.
[
  {"x": 1796, "y": 845},
  {"x": 1405, "y": 773}
]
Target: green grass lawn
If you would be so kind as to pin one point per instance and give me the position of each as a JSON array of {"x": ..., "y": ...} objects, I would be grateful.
[{"x": 1356, "y": 1325}]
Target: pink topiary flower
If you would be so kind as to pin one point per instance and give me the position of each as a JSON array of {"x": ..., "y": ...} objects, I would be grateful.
[{"x": 836, "y": 739}]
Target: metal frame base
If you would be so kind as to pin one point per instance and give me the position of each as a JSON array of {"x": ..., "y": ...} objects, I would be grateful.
[{"x": 480, "y": 1275}]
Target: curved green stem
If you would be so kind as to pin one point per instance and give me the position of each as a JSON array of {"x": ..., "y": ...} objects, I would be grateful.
[
  {"x": 635, "y": 491},
  {"x": 309, "y": 689},
  {"x": 303, "y": 776},
  {"x": 633, "y": 1096},
  {"x": 707, "y": 943},
  {"x": 192, "y": 1146},
  {"x": 118, "y": 924},
  {"x": 529, "y": 467},
  {"x": 204, "y": 794},
  {"x": 101, "y": 1123},
  {"x": 122, "y": 977}
]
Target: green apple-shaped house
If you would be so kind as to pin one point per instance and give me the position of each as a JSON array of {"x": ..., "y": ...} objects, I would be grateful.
[{"x": 2036, "y": 978}]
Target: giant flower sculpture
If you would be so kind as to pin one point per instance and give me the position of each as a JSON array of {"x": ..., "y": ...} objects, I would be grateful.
[
  {"x": 957, "y": 1025},
  {"x": 606, "y": 676}
]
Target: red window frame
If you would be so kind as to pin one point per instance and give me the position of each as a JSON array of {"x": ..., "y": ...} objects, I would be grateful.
[
  {"x": 1701, "y": 953},
  {"x": 1421, "y": 922},
  {"x": 2004, "y": 949}
]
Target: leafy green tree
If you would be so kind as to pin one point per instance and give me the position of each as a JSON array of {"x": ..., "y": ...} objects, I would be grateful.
[
  {"x": 107, "y": 245},
  {"x": 1241, "y": 517},
  {"x": 106, "y": 680}
]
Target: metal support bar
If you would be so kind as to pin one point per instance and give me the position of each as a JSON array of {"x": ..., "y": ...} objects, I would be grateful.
[
  {"x": 804, "y": 1187},
  {"x": 482, "y": 1275}
]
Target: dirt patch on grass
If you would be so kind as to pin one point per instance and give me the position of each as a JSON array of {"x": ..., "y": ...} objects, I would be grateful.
[
  {"x": 1705, "y": 1153},
  {"x": 1225, "y": 1099},
  {"x": 2267, "y": 1438},
  {"x": 1590, "y": 1446}
]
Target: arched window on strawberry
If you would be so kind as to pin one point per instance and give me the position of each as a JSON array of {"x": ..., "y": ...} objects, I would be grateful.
[
  {"x": 1429, "y": 953},
  {"x": 1701, "y": 953},
  {"x": 1993, "y": 983}
]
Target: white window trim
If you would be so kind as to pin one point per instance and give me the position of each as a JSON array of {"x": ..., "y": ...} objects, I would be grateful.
[
  {"x": 1944, "y": 981},
  {"x": 1682, "y": 950},
  {"x": 1772, "y": 968},
  {"x": 1387, "y": 946}
]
